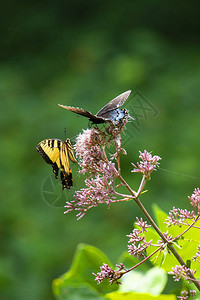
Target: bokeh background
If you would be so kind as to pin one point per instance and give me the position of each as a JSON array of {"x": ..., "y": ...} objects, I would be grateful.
[{"x": 84, "y": 53}]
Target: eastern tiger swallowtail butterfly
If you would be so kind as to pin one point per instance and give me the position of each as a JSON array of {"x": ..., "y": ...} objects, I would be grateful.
[
  {"x": 109, "y": 113},
  {"x": 57, "y": 153}
]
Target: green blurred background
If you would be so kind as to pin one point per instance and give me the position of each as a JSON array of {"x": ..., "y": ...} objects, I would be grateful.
[{"x": 84, "y": 53}]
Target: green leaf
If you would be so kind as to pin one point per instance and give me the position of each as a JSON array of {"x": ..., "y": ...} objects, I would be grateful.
[
  {"x": 152, "y": 282},
  {"x": 136, "y": 296},
  {"x": 160, "y": 215},
  {"x": 76, "y": 291},
  {"x": 79, "y": 282}
]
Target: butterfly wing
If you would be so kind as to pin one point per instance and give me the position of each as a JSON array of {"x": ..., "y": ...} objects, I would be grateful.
[
  {"x": 70, "y": 151},
  {"x": 105, "y": 114},
  {"x": 56, "y": 153},
  {"x": 65, "y": 169},
  {"x": 84, "y": 113},
  {"x": 49, "y": 149},
  {"x": 113, "y": 104}
]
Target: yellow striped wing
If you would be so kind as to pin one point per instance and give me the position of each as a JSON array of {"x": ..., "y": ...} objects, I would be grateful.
[
  {"x": 56, "y": 153},
  {"x": 70, "y": 151}
]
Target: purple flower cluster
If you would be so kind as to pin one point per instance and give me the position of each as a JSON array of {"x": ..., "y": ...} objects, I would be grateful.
[
  {"x": 179, "y": 217},
  {"x": 147, "y": 164},
  {"x": 89, "y": 151},
  {"x": 137, "y": 239},
  {"x": 168, "y": 237},
  {"x": 110, "y": 274},
  {"x": 181, "y": 272},
  {"x": 195, "y": 200},
  {"x": 92, "y": 159},
  {"x": 186, "y": 295},
  {"x": 100, "y": 183},
  {"x": 197, "y": 256},
  {"x": 100, "y": 189}
]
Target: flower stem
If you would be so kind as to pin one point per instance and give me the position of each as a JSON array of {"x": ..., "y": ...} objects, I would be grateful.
[
  {"x": 142, "y": 184},
  {"x": 169, "y": 244},
  {"x": 141, "y": 262}
]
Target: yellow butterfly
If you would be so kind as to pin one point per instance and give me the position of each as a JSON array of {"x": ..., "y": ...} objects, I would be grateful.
[{"x": 57, "y": 153}]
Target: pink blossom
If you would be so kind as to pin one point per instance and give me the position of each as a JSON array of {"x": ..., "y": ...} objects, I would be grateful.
[
  {"x": 137, "y": 239},
  {"x": 89, "y": 151},
  {"x": 197, "y": 255},
  {"x": 181, "y": 272},
  {"x": 179, "y": 217},
  {"x": 168, "y": 237},
  {"x": 110, "y": 274},
  {"x": 195, "y": 199},
  {"x": 147, "y": 164},
  {"x": 186, "y": 295}
]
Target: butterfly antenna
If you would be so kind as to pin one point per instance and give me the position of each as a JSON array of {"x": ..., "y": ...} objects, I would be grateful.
[{"x": 65, "y": 132}]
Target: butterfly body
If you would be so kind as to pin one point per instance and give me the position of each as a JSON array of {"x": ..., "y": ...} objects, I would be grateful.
[
  {"x": 109, "y": 113},
  {"x": 57, "y": 153},
  {"x": 116, "y": 116}
]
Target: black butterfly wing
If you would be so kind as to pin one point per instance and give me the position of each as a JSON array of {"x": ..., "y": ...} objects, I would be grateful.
[
  {"x": 85, "y": 113},
  {"x": 113, "y": 104},
  {"x": 103, "y": 115}
]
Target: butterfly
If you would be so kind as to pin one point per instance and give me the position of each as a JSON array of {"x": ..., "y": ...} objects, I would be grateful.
[
  {"x": 57, "y": 153},
  {"x": 109, "y": 113}
]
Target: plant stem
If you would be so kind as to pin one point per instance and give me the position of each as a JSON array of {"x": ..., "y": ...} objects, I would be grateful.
[
  {"x": 169, "y": 243},
  {"x": 142, "y": 184},
  {"x": 141, "y": 262}
]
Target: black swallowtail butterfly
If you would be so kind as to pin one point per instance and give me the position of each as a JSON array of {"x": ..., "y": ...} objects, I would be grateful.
[{"x": 109, "y": 113}]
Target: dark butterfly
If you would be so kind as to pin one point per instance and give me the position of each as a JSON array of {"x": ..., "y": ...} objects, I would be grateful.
[
  {"x": 57, "y": 153},
  {"x": 109, "y": 113}
]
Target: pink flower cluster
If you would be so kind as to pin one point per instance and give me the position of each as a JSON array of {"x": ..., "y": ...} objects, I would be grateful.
[
  {"x": 137, "y": 239},
  {"x": 181, "y": 272},
  {"x": 147, "y": 164},
  {"x": 110, "y": 274},
  {"x": 197, "y": 256},
  {"x": 179, "y": 217},
  {"x": 100, "y": 183},
  {"x": 195, "y": 200},
  {"x": 168, "y": 237},
  {"x": 186, "y": 295},
  {"x": 89, "y": 151}
]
